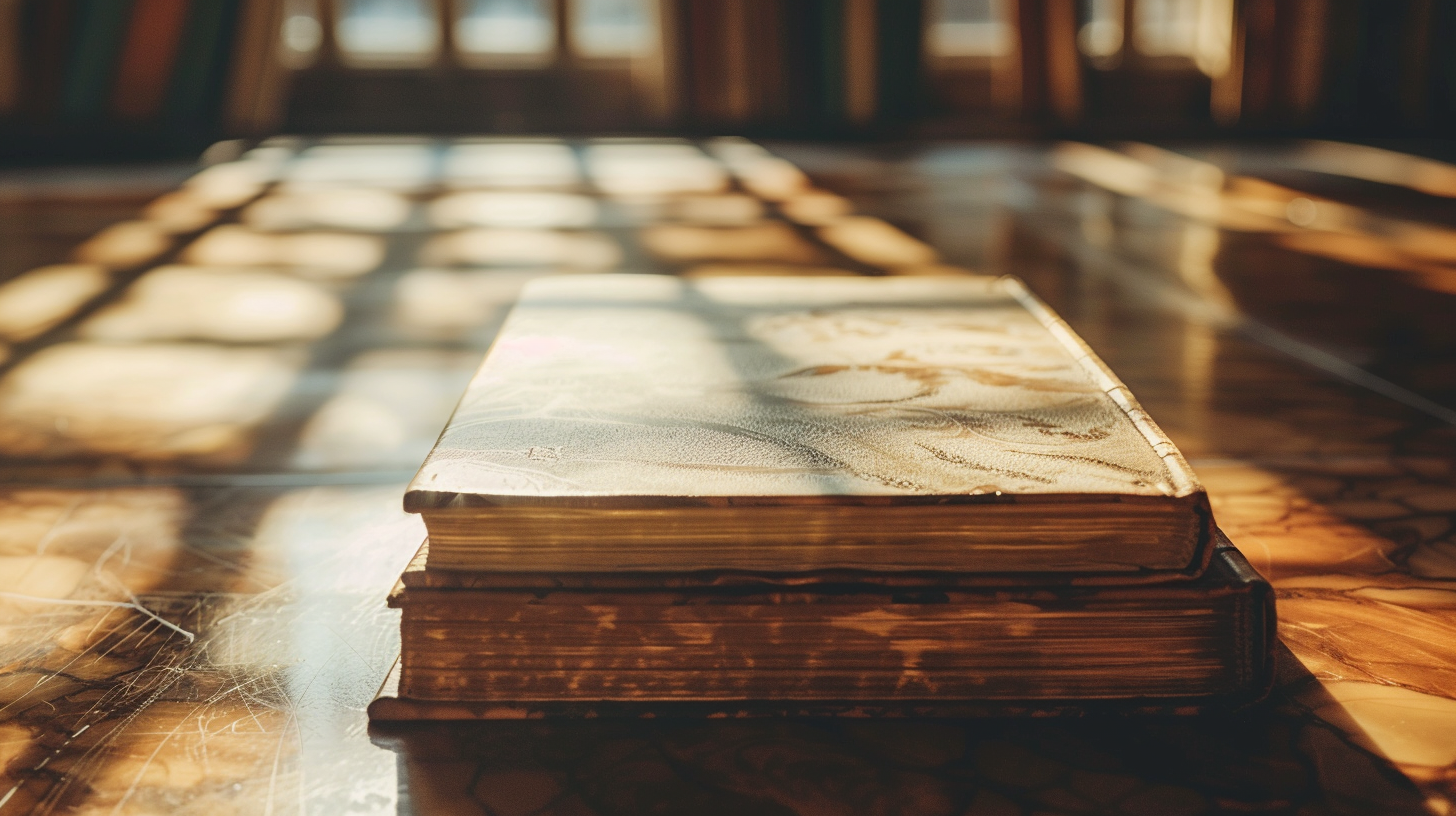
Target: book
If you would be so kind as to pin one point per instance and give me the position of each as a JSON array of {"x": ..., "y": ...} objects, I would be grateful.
[
  {"x": 153, "y": 39},
  {"x": 194, "y": 95},
  {"x": 861, "y": 62},
  {"x": 640, "y": 423},
  {"x": 471, "y": 652},
  {"x": 256, "y": 74},
  {"x": 94, "y": 47}
]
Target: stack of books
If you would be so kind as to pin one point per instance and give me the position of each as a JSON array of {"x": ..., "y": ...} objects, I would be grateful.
[
  {"x": 810, "y": 495},
  {"x": 123, "y": 69}
]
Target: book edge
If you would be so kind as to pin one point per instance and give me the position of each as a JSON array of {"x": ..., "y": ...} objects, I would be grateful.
[
  {"x": 1253, "y": 687},
  {"x": 418, "y": 498},
  {"x": 1185, "y": 481}
]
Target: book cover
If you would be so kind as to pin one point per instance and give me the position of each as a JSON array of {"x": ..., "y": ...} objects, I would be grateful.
[{"x": 635, "y": 422}]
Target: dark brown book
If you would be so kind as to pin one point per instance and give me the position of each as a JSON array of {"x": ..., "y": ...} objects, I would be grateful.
[
  {"x": 640, "y": 423},
  {"x": 493, "y": 653}
]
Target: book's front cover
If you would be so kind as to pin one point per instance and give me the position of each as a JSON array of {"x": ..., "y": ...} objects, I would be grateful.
[{"x": 618, "y": 393}]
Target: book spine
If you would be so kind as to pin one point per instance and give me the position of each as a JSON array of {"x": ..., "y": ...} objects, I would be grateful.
[
  {"x": 93, "y": 52},
  {"x": 704, "y": 23},
  {"x": 898, "y": 36},
  {"x": 1185, "y": 483},
  {"x": 740, "y": 91},
  {"x": 764, "y": 60},
  {"x": 194, "y": 95},
  {"x": 255, "y": 87},
  {"x": 1063, "y": 69},
  {"x": 1255, "y": 628},
  {"x": 148, "y": 58},
  {"x": 861, "y": 61}
]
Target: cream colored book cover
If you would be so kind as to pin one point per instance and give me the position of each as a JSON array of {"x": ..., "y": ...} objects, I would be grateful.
[{"x": 649, "y": 423}]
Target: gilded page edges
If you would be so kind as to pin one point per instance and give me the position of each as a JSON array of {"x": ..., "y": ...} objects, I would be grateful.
[{"x": 1184, "y": 481}]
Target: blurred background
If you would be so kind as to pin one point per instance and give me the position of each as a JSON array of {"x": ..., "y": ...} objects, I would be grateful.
[
  {"x": 1280, "y": 161},
  {"x": 122, "y": 78}
]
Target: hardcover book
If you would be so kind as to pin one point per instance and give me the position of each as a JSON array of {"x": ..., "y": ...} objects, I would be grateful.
[
  {"x": 773, "y": 649},
  {"x": 874, "y": 426}
]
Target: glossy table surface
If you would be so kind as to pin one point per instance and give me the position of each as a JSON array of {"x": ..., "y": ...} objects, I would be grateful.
[{"x": 201, "y": 468}]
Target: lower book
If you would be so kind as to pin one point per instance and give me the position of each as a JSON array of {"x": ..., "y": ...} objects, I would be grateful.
[{"x": 849, "y": 649}]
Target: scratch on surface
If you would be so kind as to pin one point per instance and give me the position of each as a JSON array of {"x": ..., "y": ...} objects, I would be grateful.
[
  {"x": 133, "y": 604},
  {"x": 141, "y": 772}
]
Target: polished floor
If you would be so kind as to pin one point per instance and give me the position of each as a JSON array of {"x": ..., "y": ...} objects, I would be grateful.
[{"x": 210, "y": 402}]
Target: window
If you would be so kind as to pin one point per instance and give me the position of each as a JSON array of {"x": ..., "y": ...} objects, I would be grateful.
[
  {"x": 969, "y": 28},
  {"x": 1165, "y": 28},
  {"x": 487, "y": 34},
  {"x": 301, "y": 33},
  {"x": 1100, "y": 37},
  {"x": 613, "y": 28},
  {"x": 401, "y": 32},
  {"x": 506, "y": 31},
  {"x": 1198, "y": 30}
]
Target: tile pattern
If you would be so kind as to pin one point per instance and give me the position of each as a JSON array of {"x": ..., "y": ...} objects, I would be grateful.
[{"x": 192, "y": 569}]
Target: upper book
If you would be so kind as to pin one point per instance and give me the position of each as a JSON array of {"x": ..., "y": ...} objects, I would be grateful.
[{"x": 650, "y": 424}]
